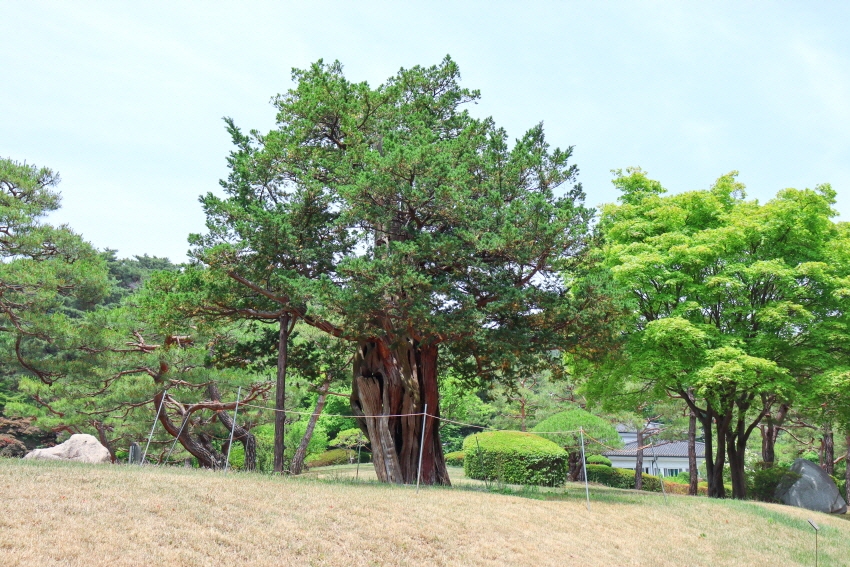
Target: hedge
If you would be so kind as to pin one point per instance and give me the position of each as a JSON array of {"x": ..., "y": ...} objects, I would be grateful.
[
  {"x": 454, "y": 459},
  {"x": 514, "y": 457},
  {"x": 335, "y": 457},
  {"x": 621, "y": 478}
]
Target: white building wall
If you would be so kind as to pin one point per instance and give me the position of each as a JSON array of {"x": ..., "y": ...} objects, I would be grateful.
[{"x": 665, "y": 465}]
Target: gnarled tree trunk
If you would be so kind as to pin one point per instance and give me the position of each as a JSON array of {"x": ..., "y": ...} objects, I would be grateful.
[
  {"x": 301, "y": 452},
  {"x": 199, "y": 446},
  {"x": 392, "y": 381}
]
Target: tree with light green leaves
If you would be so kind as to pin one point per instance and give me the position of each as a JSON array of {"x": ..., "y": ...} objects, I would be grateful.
[
  {"x": 741, "y": 304},
  {"x": 391, "y": 218}
]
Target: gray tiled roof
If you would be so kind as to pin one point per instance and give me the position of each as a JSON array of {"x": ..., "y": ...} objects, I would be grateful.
[{"x": 662, "y": 449}]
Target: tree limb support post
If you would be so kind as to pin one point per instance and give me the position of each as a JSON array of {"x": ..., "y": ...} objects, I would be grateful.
[{"x": 232, "y": 429}]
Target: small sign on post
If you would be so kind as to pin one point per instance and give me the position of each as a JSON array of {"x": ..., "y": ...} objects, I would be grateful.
[{"x": 817, "y": 529}]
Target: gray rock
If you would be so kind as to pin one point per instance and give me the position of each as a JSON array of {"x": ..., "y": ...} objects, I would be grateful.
[
  {"x": 814, "y": 490},
  {"x": 80, "y": 447}
]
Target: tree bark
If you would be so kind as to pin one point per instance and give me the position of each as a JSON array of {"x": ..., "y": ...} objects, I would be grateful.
[
  {"x": 639, "y": 460},
  {"x": 715, "y": 459},
  {"x": 770, "y": 432},
  {"x": 828, "y": 452},
  {"x": 736, "y": 449},
  {"x": 391, "y": 382},
  {"x": 693, "y": 472},
  {"x": 201, "y": 447},
  {"x": 101, "y": 434},
  {"x": 574, "y": 465},
  {"x": 280, "y": 392},
  {"x": 301, "y": 453}
]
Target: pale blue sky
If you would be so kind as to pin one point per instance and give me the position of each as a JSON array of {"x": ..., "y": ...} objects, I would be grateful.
[{"x": 125, "y": 99}]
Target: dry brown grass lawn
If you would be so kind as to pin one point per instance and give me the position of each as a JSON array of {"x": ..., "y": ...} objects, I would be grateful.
[{"x": 66, "y": 514}]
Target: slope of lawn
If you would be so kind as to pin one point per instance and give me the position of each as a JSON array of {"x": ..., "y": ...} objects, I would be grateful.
[{"x": 73, "y": 515}]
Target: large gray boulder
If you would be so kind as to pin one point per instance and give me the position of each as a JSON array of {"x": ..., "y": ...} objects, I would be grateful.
[
  {"x": 82, "y": 448},
  {"x": 814, "y": 490}
]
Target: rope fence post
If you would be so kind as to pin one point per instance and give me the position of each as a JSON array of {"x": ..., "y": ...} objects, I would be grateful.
[
  {"x": 584, "y": 468},
  {"x": 156, "y": 419},
  {"x": 232, "y": 428},
  {"x": 421, "y": 445}
]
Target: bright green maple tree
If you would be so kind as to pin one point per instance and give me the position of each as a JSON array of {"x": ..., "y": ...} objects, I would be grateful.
[
  {"x": 740, "y": 303},
  {"x": 390, "y": 217}
]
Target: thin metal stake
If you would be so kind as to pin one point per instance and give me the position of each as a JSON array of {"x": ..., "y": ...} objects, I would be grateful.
[
  {"x": 658, "y": 472},
  {"x": 359, "y": 445},
  {"x": 182, "y": 425},
  {"x": 584, "y": 468},
  {"x": 232, "y": 428},
  {"x": 156, "y": 419},
  {"x": 421, "y": 445}
]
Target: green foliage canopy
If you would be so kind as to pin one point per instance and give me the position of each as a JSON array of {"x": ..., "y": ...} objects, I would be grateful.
[
  {"x": 563, "y": 429},
  {"x": 736, "y": 303}
]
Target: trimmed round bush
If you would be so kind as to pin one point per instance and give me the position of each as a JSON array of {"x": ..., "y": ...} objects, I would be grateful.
[
  {"x": 599, "y": 460},
  {"x": 454, "y": 459},
  {"x": 514, "y": 457}
]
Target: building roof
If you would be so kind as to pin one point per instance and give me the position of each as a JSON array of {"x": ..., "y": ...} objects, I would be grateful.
[
  {"x": 623, "y": 428},
  {"x": 662, "y": 449}
]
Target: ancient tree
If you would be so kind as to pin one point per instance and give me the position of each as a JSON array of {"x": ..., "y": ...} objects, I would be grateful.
[{"x": 391, "y": 218}]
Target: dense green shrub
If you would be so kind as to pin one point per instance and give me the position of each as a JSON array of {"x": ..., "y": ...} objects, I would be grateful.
[
  {"x": 514, "y": 457},
  {"x": 599, "y": 460},
  {"x": 621, "y": 478},
  {"x": 763, "y": 483},
  {"x": 336, "y": 457},
  {"x": 454, "y": 459},
  {"x": 683, "y": 477}
]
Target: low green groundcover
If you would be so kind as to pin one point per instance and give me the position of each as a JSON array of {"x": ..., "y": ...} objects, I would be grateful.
[{"x": 514, "y": 457}]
